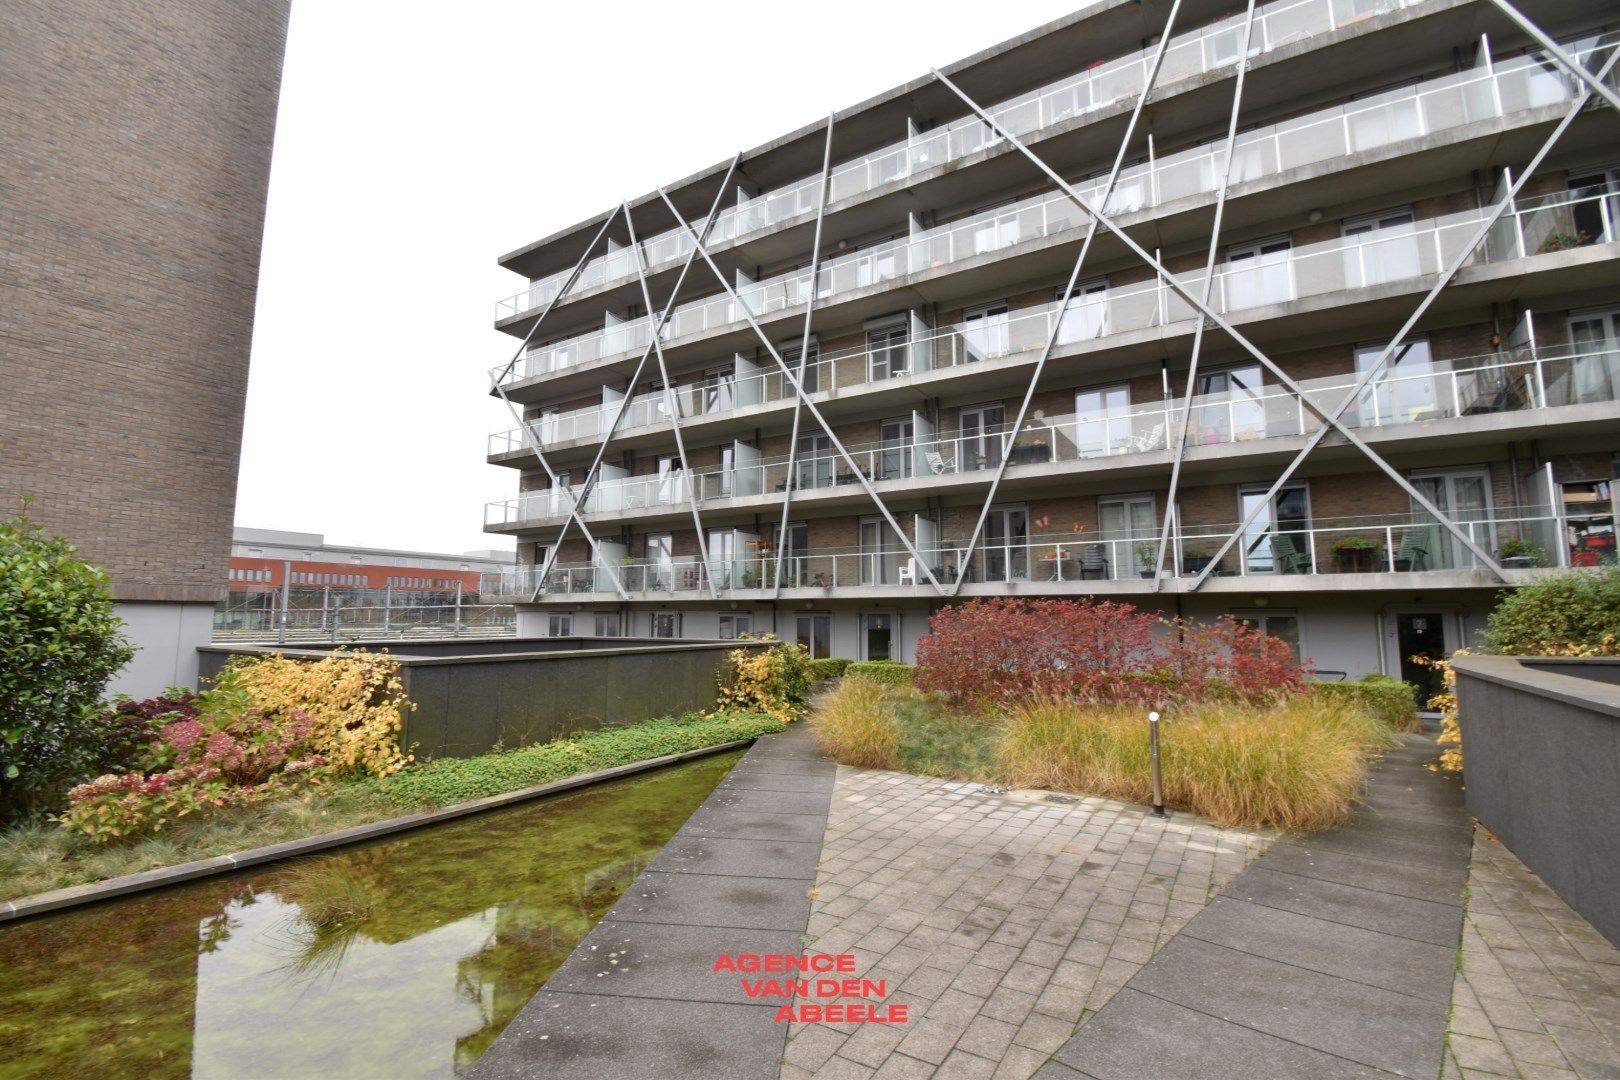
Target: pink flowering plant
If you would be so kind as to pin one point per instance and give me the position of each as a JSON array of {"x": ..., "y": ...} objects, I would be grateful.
[{"x": 219, "y": 750}]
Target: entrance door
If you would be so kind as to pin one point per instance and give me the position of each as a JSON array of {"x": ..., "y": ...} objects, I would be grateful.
[
  {"x": 1278, "y": 541},
  {"x": 1101, "y": 423},
  {"x": 879, "y": 636},
  {"x": 1006, "y": 544},
  {"x": 1421, "y": 634},
  {"x": 896, "y": 437},
  {"x": 1129, "y": 536},
  {"x": 660, "y": 561},
  {"x": 985, "y": 332},
  {"x": 1464, "y": 496},
  {"x": 1231, "y": 405}
]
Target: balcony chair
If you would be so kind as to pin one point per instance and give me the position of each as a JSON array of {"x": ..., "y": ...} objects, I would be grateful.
[
  {"x": 936, "y": 463},
  {"x": 1153, "y": 440},
  {"x": 1287, "y": 556},
  {"x": 1413, "y": 549},
  {"x": 908, "y": 572},
  {"x": 1092, "y": 562}
]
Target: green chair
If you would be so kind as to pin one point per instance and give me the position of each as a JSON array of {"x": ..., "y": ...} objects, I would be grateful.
[
  {"x": 1414, "y": 549},
  {"x": 1287, "y": 556}
]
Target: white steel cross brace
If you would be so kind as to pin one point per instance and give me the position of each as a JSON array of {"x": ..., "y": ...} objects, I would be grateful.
[
  {"x": 798, "y": 388},
  {"x": 1206, "y": 311}
]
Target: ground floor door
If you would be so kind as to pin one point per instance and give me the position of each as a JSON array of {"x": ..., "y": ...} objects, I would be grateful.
[
  {"x": 1420, "y": 635},
  {"x": 879, "y": 641},
  {"x": 814, "y": 632}
]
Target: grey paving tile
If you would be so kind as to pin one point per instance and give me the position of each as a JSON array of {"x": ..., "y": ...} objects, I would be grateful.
[
  {"x": 669, "y": 962},
  {"x": 1141, "y": 1037},
  {"x": 693, "y": 853},
  {"x": 1364, "y": 1024},
  {"x": 1440, "y": 883},
  {"x": 770, "y": 802},
  {"x": 713, "y": 821},
  {"x": 754, "y": 903},
  {"x": 1420, "y": 920},
  {"x": 1366, "y": 956},
  {"x": 569, "y": 1037}
]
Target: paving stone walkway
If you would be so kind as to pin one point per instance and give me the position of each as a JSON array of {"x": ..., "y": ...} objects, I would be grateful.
[
  {"x": 1000, "y": 921},
  {"x": 1537, "y": 993}
]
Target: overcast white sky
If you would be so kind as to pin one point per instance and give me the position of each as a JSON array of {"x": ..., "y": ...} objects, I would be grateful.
[{"x": 418, "y": 141}]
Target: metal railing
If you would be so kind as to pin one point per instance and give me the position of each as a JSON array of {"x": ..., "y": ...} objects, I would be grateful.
[
  {"x": 335, "y": 614},
  {"x": 1395, "y": 543},
  {"x": 1191, "y": 55}
]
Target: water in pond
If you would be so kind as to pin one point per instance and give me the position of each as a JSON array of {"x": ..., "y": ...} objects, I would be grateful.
[{"x": 442, "y": 936}]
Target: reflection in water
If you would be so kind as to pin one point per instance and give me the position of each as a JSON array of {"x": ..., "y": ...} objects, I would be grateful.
[{"x": 401, "y": 959}]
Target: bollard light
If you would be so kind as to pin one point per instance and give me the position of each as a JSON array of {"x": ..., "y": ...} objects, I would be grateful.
[{"x": 1158, "y": 788}]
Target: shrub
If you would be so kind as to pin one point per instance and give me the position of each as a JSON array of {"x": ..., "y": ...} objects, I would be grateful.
[
  {"x": 827, "y": 667},
  {"x": 1576, "y": 613},
  {"x": 1297, "y": 765},
  {"x": 445, "y": 781},
  {"x": 884, "y": 672},
  {"x": 774, "y": 680},
  {"x": 59, "y": 644},
  {"x": 355, "y": 699},
  {"x": 1390, "y": 700},
  {"x": 1000, "y": 652},
  {"x": 851, "y": 726},
  {"x": 128, "y": 728}
]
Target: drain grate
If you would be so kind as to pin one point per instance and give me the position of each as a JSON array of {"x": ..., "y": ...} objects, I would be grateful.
[{"x": 1061, "y": 800}]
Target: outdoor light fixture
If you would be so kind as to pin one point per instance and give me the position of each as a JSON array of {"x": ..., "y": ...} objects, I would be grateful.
[{"x": 1314, "y": 216}]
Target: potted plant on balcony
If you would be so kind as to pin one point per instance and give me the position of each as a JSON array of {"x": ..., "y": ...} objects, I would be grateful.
[
  {"x": 1355, "y": 554},
  {"x": 1521, "y": 555},
  {"x": 1147, "y": 554}
]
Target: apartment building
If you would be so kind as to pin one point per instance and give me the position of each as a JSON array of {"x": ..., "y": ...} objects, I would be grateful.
[{"x": 827, "y": 388}]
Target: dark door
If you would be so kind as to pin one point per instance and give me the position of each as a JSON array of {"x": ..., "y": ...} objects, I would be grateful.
[
  {"x": 1421, "y": 635},
  {"x": 878, "y": 636}
]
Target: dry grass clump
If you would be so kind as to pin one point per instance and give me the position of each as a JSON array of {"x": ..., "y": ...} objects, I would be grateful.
[
  {"x": 329, "y": 892},
  {"x": 852, "y": 726},
  {"x": 1298, "y": 765}
]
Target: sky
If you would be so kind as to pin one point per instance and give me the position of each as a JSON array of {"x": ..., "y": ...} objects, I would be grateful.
[{"x": 418, "y": 141}]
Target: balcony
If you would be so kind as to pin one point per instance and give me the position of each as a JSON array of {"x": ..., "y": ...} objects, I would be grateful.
[
  {"x": 1315, "y": 555},
  {"x": 1518, "y": 87},
  {"x": 1513, "y": 381},
  {"x": 1191, "y": 55}
]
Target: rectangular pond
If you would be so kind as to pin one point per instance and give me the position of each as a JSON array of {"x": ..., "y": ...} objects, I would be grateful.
[{"x": 404, "y": 958}]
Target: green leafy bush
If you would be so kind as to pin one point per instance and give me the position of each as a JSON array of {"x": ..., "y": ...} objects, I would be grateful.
[
  {"x": 827, "y": 667},
  {"x": 1390, "y": 700},
  {"x": 883, "y": 672},
  {"x": 445, "y": 781},
  {"x": 1570, "y": 614},
  {"x": 59, "y": 644}
]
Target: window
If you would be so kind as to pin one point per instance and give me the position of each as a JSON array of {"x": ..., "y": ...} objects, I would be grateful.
[
  {"x": 879, "y": 636},
  {"x": 981, "y": 427},
  {"x": 1085, "y": 316},
  {"x": 607, "y": 624},
  {"x": 1230, "y": 405},
  {"x": 1464, "y": 496},
  {"x": 796, "y": 570},
  {"x": 1129, "y": 534},
  {"x": 1597, "y": 204},
  {"x": 1258, "y": 273},
  {"x": 810, "y": 378},
  {"x": 733, "y": 625},
  {"x": 714, "y": 389},
  {"x": 880, "y": 552},
  {"x": 1283, "y": 627},
  {"x": 1101, "y": 420},
  {"x": 985, "y": 331},
  {"x": 666, "y": 624},
  {"x": 1384, "y": 248},
  {"x": 814, "y": 632},
  {"x": 886, "y": 353},
  {"x": 1006, "y": 544},
  {"x": 895, "y": 437},
  {"x": 815, "y": 461},
  {"x": 1279, "y": 540},
  {"x": 661, "y": 561},
  {"x": 559, "y": 625},
  {"x": 1405, "y": 389},
  {"x": 1593, "y": 373}
]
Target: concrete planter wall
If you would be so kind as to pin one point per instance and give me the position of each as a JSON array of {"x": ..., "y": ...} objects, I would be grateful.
[
  {"x": 1541, "y": 766},
  {"x": 474, "y": 695}
]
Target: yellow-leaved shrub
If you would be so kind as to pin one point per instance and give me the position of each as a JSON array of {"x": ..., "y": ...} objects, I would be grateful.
[
  {"x": 356, "y": 700},
  {"x": 773, "y": 681}
]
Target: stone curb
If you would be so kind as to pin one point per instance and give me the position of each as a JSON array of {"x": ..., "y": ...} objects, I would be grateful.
[{"x": 92, "y": 892}]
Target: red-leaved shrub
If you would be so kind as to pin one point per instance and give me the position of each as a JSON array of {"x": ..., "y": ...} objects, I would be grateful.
[{"x": 995, "y": 652}]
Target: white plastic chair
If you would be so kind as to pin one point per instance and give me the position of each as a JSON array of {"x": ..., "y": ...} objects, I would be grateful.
[{"x": 908, "y": 572}]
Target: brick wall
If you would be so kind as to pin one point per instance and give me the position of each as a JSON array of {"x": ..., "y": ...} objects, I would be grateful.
[{"x": 132, "y": 193}]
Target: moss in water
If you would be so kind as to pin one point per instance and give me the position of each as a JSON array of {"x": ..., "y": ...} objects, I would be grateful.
[{"x": 412, "y": 955}]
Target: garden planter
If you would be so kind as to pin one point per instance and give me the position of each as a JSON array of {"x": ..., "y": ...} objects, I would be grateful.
[{"x": 1356, "y": 560}]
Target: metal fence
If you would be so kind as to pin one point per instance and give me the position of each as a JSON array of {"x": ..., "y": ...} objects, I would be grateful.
[{"x": 336, "y": 614}]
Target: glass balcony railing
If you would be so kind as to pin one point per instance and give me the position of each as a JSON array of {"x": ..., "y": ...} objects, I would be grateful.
[
  {"x": 1412, "y": 543},
  {"x": 1190, "y": 55},
  {"x": 1542, "y": 226},
  {"x": 1516, "y": 86},
  {"x": 1511, "y": 381}
]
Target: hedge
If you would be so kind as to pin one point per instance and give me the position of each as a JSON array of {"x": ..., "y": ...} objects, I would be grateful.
[
  {"x": 885, "y": 672},
  {"x": 1388, "y": 699},
  {"x": 445, "y": 781},
  {"x": 828, "y": 667}
]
